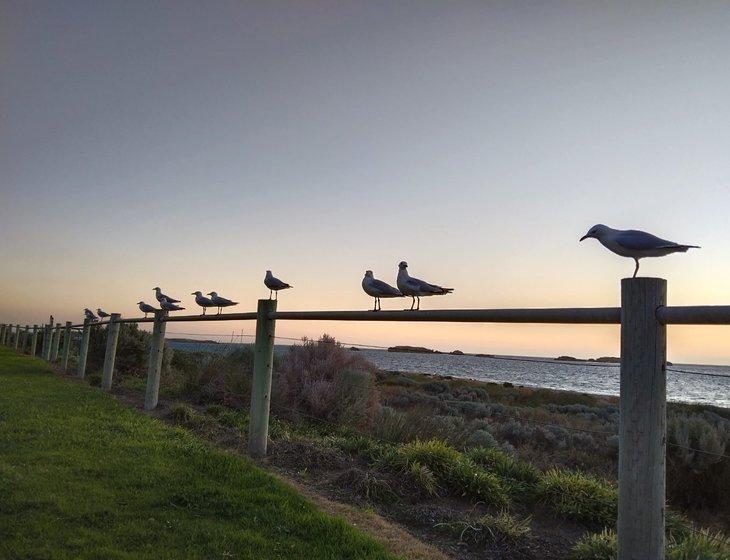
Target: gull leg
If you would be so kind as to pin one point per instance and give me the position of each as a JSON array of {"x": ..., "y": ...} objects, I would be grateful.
[
  {"x": 637, "y": 267},
  {"x": 379, "y": 304},
  {"x": 375, "y": 304},
  {"x": 271, "y": 293},
  {"x": 419, "y": 303},
  {"x": 413, "y": 302}
]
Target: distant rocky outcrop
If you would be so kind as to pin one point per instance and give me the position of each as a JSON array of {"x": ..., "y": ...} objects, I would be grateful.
[
  {"x": 457, "y": 353},
  {"x": 609, "y": 360},
  {"x": 566, "y": 359},
  {"x": 413, "y": 350}
]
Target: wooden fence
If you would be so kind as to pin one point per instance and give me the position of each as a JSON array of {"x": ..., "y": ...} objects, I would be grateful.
[{"x": 643, "y": 317}]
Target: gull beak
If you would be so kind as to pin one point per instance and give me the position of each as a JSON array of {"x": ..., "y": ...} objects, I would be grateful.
[{"x": 584, "y": 237}]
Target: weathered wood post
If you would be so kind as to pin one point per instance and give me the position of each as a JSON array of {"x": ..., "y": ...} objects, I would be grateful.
[
  {"x": 84, "y": 349},
  {"x": 34, "y": 340},
  {"x": 66, "y": 346},
  {"x": 2, "y": 334},
  {"x": 642, "y": 423},
  {"x": 56, "y": 341},
  {"x": 47, "y": 336},
  {"x": 154, "y": 366},
  {"x": 263, "y": 363},
  {"x": 17, "y": 337},
  {"x": 112, "y": 335},
  {"x": 26, "y": 339}
]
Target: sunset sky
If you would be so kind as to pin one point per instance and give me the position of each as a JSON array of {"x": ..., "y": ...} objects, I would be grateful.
[{"x": 193, "y": 145}]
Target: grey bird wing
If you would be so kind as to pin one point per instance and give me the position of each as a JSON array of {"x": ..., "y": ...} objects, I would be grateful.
[
  {"x": 422, "y": 286},
  {"x": 642, "y": 241},
  {"x": 168, "y": 298},
  {"x": 204, "y": 301},
  {"x": 223, "y": 301},
  {"x": 385, "y": 289},
  {"x": 276, "y": 284}
]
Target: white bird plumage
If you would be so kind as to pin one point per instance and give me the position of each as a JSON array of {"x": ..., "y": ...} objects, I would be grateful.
[
  {"x": 220, "y": 302},
  {"x": 378, "y": 289},
  {"x": 90, "y": 314},
  {"x": 146, "y": 308},
  {"x": 160, "y": 296},
  {"x": 167, "y": 305},
  {"x": 416, "y": 288},
  {"x": 634, "y": 244},
  {"x": 274, "y": 284},
  {"x": 203, "y": 301}
]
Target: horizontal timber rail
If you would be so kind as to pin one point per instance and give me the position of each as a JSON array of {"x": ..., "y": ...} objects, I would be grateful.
[{"x": 687, "y": 315}]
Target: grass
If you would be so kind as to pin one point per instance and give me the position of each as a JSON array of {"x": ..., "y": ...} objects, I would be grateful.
[
  {"x": 700, "y": 545},
  {"x": 81, "y": 476}
]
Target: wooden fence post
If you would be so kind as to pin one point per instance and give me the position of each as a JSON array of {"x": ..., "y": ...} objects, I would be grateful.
[
  {"x": 258, "y": 431},
  {"x": 112, "y": 335},
  {"x": 84, "y": 349},
  {"x": 154, "y": 366},
  {"x": 17, "y": 337},
  {"x": 34, "y": 340},
  {"x": 47, "y": 335},
  {"x": 2, "y": 333},
  {"x": 55, "y": 342},
  {"x": 66, "y": 346},
  {"x": 642, "y": 423},
  {"x": 26, "y": 340}
]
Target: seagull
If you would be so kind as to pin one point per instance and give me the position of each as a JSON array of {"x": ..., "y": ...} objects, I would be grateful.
[
  {"x": 90, "y": 315},
  {"x": 221, "y": 302},
  {"x": 203, "y": 301},
  {"x": 274, "y": 284},
  {"x": 160, "y": 296},
  {"x": 103, "y": 314},
  {"x": 416, "y": 288},
  {"x": 146, "y": 308},
  {"x": 378, "y": 289},
  {"x": 167, "y": 305},
  {"x": 634, "y": 244}
]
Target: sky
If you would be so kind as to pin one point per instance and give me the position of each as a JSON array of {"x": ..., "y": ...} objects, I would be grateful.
[{"x": 193, "y": 145}]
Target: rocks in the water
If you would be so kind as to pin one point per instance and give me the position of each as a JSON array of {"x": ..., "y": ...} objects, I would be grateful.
[{"x": 413, "y": 350}]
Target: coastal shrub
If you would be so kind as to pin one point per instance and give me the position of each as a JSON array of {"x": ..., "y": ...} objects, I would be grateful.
[
  {"x": 223, "y": 379},
  {"x": 366, "y": 484},
  {"x": 132, "y": 350},
  {"x": 596, "y": 546},
  {"x": 437, "y": 388},
  {"x": 315, "y": 376},
  {"x": 697, "y": 474},
  {"x": 487, "y": 529},
  {"x": 697, "y": 545},
  {"x": 481, "y": 438},
  {"x": 580, "y": 497},
  {"x": 450, "y": 470},
  {"x": 505, "y": 466}
]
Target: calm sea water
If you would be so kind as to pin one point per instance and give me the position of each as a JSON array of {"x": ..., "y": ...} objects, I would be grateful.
[{"x": 585, "y": 377}]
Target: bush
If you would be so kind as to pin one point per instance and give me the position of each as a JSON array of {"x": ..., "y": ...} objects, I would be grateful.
[
  {"x": 467, "y": 479},
  {"x": 505, "y": 466},
  {"x": 132, "y": 350},
  {"x": 500, "y": 528},
  {"x": 580, "y": 497},
  {"x": 596, "y": 546},
  {"x": 481, "y": 438},
  {"x": 315, "y": 376},
  {"x": 204, "y": 377}
]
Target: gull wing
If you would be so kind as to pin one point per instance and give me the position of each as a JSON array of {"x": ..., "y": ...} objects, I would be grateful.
[
  {"x": 642, "y": 241},
  {"x": 386, "y": 289}
]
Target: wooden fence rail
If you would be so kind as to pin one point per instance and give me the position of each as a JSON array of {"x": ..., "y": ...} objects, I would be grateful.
[{"x": 643, "y": 317}]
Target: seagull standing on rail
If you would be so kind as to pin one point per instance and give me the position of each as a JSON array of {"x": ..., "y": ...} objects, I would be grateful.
[
  {"x": 160, "y": 296},
  {"x": 146, "y": 308},
  {"x": 203, "y": 301},
  {"x": 220, "y": 302},
  {"x": 416, "y": 288},
  {"x": 634, "y": 244},
  {"x": 274, "y": 284},
  {"x": 90, "y": 315},
  {"x": 378, "y": 289},
  {"x": 101, "y": 313},
  {"x": 167, "y": 305}
]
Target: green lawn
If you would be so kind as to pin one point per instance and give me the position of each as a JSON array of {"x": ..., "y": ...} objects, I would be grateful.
[{"x": 81, "y": 476}]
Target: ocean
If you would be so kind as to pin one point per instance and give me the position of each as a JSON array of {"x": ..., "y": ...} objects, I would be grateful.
[{"x": 584, "y": 377}]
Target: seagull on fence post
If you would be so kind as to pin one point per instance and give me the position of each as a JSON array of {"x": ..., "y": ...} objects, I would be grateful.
[
  {"x": 221, "y": 302},
  {"x": 274, "y": 284},
  {"x": 416, "y": 288},
  {"x": 634, "y": 244},
  {"x": 378, "y": 289},
  {"x": 146, "y": 308},
  {"x": 160, "y": 296},
  {"x": 101, "y": 313},
  {"x": 90, "y": 315},
  {"x": 167, "y": 305},
  {"x": 203, "y": 301}
]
